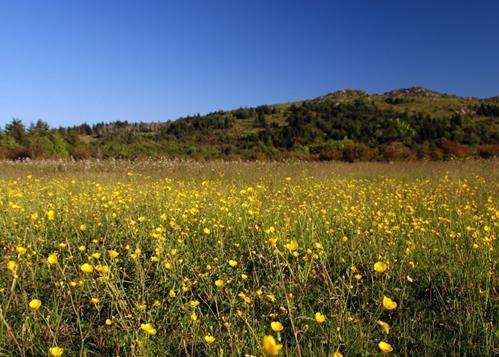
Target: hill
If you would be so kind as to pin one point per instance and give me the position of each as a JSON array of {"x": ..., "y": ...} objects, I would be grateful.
[{"x": 349, "y": 125}]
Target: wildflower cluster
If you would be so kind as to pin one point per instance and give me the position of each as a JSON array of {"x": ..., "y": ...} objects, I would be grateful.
[{"x": 253, "y": 259}]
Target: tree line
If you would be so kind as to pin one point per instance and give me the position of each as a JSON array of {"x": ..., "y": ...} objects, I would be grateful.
[{"x": 312, "y": 130}]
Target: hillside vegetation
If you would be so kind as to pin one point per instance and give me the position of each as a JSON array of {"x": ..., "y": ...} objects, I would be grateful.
[{"x": 348, "y": 125}]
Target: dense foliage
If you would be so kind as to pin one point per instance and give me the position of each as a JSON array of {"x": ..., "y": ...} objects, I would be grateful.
[{"x": 350, "y": 125}]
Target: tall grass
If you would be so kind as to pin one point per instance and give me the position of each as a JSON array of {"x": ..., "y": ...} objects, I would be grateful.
[{"x": 210, "y": 254}]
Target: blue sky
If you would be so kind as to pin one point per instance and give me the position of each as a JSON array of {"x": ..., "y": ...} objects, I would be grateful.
[{"x": 69, "y": 62}]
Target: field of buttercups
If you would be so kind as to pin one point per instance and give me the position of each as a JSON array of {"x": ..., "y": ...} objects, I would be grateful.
[{"x": 185, "y": 258}]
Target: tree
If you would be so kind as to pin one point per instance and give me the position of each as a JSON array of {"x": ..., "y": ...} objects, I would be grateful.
[
  {"x": 39, "y": 128},
  {"x": 16, "y": 130}
]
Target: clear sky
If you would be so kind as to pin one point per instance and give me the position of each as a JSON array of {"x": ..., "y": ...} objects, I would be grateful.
[{"x": 72, "y": 61}]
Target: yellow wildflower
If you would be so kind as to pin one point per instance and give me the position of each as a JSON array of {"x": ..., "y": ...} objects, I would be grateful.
[
  {"x": 52, "y": 259},
  {"x": 385, "y": 347},
  {"x": 388, "y": 303},
  {"x": 148, "y": 329},
  {"x": 384, "y": 326},
  {"x": 380, "y": 267},
  {"x": 292, "y": 245},
  {"x": 276, "y": 326},
  {"x": 209, "y": 339},
  {"x": 232, "y": 263},
  {"x": 21, "y": 250},
  {"x": 87, "y": 268},
  {"x": 56, "y": 351},
  {"x": 35, "y": 304},
  {"x": 270, "y": 346},
  {"x": 319, "y": 318},
  {"x": 50, "y": 215},
  {"x": 194, "y": 303},
  {"x": 112, "y": 253},
  {"x": 11, "y": 265}
]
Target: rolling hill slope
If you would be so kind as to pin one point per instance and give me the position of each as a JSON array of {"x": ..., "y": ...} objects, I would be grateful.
[{"x": 345, "y": 125}]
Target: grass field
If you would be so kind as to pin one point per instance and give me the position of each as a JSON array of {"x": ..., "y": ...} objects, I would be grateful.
[{"x": 172, "y": 258}]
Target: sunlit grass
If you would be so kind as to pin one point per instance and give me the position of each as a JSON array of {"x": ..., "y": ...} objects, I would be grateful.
[{"x": 168, "y": 258}]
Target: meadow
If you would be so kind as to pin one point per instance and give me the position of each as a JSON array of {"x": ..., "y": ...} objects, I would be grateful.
[{"x": 236, "y": 258}]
